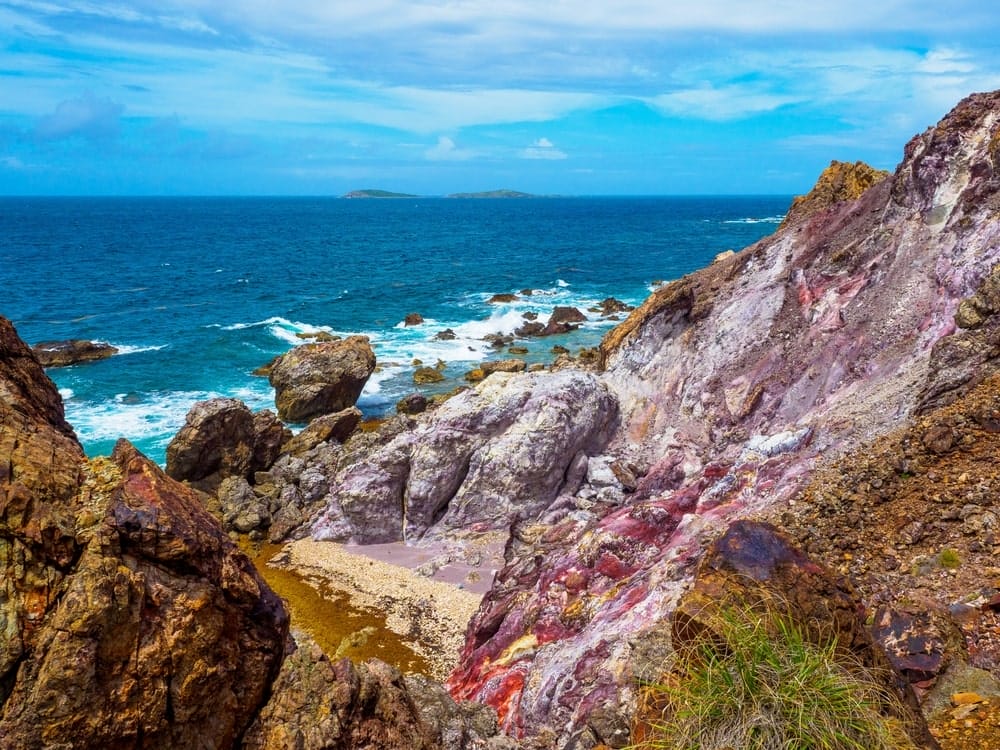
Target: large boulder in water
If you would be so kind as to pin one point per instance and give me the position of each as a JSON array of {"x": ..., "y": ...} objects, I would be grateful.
[
  {"x": 220, "y": 438},
  {"x": 315, "y": 379},
  {"x": 74, "y": 351}
]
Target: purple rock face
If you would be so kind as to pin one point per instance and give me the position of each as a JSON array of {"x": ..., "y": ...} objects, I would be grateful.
[{"x": 732, "y": 383}]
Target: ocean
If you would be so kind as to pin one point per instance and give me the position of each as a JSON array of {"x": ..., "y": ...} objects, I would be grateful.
[{"x": 198, "y": 292}]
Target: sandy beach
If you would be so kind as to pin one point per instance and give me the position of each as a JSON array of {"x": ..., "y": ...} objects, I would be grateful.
[{"x": 429, "y": 613}]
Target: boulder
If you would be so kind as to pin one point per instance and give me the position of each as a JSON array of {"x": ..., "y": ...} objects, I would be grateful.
[
  {"x": 563, "y": 320},
  {"x": 425, "y": 375},
  {"x": 531, "y": 328},
  {"x": 413, "y": 319},
  {"x": 337, "y": 427},
  {"x": 221, "y": 437},
  {"x": 74, "y": 351},
  {"x": 446, "y": 335},
  {"x": 503, "y": 365},
  {"x": 415, "y": 403},
  {"x": 501, "y": 298},
  {"x": 315, "y": 379},
  {"x": 482, "y": 459}
]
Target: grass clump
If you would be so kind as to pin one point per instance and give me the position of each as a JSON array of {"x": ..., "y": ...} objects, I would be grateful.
[
  {"x": 949, "y": 559},
  {"x": 759, "y": 683}
]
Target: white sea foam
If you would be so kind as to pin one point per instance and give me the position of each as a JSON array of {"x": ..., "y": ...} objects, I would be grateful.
[
  {"x": 66, "y": 393},
  {"x": 153, "y": 417},
  {"x": 133, "y": 349},
  {"x": 751, "y": 220},
  {"x": 560, "y": 282}
]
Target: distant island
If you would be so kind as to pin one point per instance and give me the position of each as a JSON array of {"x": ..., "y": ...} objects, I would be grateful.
[
  {"x": 503, "y": 193},
  {"x": 377, "y": 194},
  {"x": 493, "y": 194}
]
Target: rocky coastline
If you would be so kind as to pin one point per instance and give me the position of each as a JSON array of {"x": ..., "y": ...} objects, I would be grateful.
[{"x": 812, "y": 420}]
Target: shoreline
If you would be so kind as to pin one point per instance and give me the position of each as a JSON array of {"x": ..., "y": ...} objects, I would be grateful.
[{"x": 430, "y": 615}]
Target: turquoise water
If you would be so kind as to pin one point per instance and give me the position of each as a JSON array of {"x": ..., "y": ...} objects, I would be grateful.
[{"x": 198, "y": 292}]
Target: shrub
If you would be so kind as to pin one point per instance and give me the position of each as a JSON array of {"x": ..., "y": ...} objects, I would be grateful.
[{"x": 758, "y": 683}]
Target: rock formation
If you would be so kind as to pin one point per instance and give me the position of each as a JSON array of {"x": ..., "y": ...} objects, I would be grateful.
[
  {"x": 223, "y": 438},
  {"x": 732, "y": 383},
  {"x": 74, "y": 351},
  {"x": 130, "y": 619},
  {"x": 315, "y": 379},
  {"x": 503, "y": 450},
  {"x": 841, "y": 181}
]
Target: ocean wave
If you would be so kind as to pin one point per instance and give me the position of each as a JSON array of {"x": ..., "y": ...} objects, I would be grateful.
[
  {"x": 66, "y": 393},
  {"x": 150, "y": 417},
  {"x": 134, "y": 349},
  {"x": 751, "y": 220}
]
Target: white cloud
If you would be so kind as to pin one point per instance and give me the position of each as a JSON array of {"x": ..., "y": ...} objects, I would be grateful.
[
  {"x": 730, "y": 102},
  {"x": 543, "y": 148},
  {"x": 88, "y": 117},
  {"x": 446, "y": 150}
]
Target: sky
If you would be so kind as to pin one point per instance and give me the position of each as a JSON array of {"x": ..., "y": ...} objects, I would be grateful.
[{"x": 570, "y": 97}]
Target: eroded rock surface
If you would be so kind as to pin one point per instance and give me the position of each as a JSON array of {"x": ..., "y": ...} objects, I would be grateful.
[
  {"x": 223, "y": 438},
  {"x": 733, "y": 383},
  {"x": 489, "y": 455},
  {"x": 315, "y": 379},
  {"x": 129, "y": 618}
]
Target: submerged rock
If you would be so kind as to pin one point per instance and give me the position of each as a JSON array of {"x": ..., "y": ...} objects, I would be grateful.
[
  {"x": 315, "y": 379},
  {"x": 74, "y": 351}
]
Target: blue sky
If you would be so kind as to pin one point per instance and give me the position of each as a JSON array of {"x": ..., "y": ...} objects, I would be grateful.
[{"x": 318, "y": 97}]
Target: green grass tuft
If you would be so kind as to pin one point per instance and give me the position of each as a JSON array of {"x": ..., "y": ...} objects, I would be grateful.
[
  {"x": 767, "y": 687},
  {"x": 949, "y": 559}
]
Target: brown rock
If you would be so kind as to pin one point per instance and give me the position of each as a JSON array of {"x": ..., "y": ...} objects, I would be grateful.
[
  {"x": 446, "y": 335},
  {"x": 563, "y": 320},
  {"x": 841, "y": 181},
  {"x": 74, "y": 351},
  {"x": 130, "y": 618},
  {"x": 315, "y": 379},
  {"x": 320, "y": 704},
  {"x": 502, "y": 298},
  {"x": 415, "y": 403},
  {"x": 328, "y": 427},
  {"x": 424, "y": 375},
  {"x": 503, "y": 365},
  {"x": 221, "y": 438},
  {"x": 413, "y": 319}
]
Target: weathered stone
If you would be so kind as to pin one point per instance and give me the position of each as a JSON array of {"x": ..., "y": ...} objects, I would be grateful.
[
  {"x": 413, "y": 319},
  {"x": 318, "y": 704},
  {"x": 483, "y": 458},
  {"x": 337, "y": 427},
  {"x": 415, "y": 403},
  {"x": 426, "y": 375},
  {"x": 136, "y": 620},
  {"x": 74, "y": 351},
  {"x": 841, "y": 181},
  {"x": 502, "y": 297},
  {"x": 315, "y": 379},
  {"x": 221, "y": 438}
]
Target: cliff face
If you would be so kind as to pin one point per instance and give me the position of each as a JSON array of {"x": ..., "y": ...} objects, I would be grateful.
[
  {"x": 127, "y": 617},
  {"x": 732, "y": 384}
]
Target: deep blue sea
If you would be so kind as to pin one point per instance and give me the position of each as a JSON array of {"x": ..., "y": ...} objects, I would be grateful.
[{"x": 198, "y": 292}]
